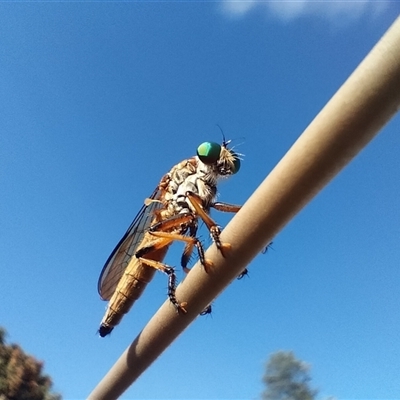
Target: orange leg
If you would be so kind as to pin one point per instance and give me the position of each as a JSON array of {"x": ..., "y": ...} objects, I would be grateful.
[
  {"x": 171, "y": 281},
  {"x": 173, "y": 222},
  {"x": 214, "y": 229},
  {"x": 191, "y": 242},
  {"x": 225, "y": 207}
]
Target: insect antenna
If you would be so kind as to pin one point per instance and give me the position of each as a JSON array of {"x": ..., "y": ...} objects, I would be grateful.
[{"x": 224, "y": 141}]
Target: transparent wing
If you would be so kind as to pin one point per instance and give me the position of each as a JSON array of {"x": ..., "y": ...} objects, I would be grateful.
[{"x": 119, "y": 258}]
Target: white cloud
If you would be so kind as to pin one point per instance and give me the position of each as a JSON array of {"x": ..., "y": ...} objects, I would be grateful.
[
  {"x": 237, "y": 8},
  {"x": 287, "y": 10}
]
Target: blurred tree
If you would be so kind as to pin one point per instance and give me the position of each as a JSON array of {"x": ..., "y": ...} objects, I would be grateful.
[
  {"x": 21, "y": 375},
  {"x": 287, "y": 378}
]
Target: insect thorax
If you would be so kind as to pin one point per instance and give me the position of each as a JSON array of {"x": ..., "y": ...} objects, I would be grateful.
[{"x": 193, "y": 176}]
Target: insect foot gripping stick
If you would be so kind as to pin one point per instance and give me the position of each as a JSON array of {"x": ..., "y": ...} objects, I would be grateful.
[{"x": 184, "y": 195}]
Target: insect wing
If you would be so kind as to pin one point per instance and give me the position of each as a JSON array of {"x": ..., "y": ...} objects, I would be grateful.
[{"x": 119, "y": 258}]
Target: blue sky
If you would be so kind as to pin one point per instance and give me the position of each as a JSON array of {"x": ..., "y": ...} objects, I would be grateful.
[{"x": 98, "y": 100}]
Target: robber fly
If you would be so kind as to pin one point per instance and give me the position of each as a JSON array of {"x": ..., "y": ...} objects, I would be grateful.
[{"x": 184, "y": 195}]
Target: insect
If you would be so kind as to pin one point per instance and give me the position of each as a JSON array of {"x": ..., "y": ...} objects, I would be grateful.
[{"x": 183, "y": 196}]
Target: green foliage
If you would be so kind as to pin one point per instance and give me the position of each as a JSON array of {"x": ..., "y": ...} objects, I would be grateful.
[
  {"x": 21, "y": 376},
  {"x": 287, "y": 378}
]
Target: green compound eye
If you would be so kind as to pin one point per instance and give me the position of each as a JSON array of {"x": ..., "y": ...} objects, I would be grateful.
[
  {"x": 236, "y": 164},
  {"x": 209, "y": 152}
]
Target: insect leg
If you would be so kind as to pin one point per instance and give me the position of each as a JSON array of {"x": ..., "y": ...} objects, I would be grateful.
[
  {"x": 191, "y": 242},
  {"x": 214, "y": 229},
  {"x": 225, "y": 207},
  {"x": 269, "y": 246},
  {"x": 174, "y": 222},
  {"x": 187, "y": 252},
  {"x": 186, "y": 257},
  {"x": 171, "y": 281},
  {"x": 207, "y": 310},
  {"x": 244, "y": 273}
]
